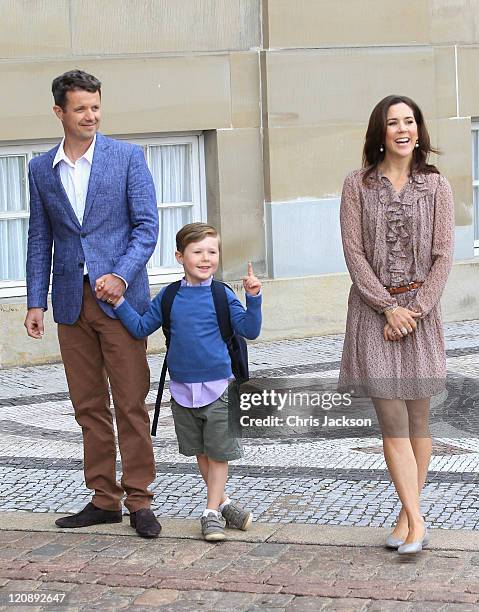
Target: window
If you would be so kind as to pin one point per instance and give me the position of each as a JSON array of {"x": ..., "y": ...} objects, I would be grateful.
[
  {"x": 475, "y": 184},
  {"x": 177, "y": 167},
  {"x": 14, "y": 215}
]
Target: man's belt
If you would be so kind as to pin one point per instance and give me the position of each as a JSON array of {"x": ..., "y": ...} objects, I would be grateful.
[{"x": 404, "y": 288}]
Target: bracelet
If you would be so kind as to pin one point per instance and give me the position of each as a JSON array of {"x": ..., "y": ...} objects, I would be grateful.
[{"x": 391, "y": 309}]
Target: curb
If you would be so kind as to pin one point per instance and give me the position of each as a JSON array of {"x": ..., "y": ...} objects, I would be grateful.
[{"x": 273, "y": 533}]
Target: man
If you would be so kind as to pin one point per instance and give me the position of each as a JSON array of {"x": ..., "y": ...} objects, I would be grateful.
[{"x": 93, "y": 199}]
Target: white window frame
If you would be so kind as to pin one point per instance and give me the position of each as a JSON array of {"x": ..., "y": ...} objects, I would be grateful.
[
  {"x": 17, "y": 288},
  {"x": 198, "y": 189},
  {"x": 475, "y": 183}
]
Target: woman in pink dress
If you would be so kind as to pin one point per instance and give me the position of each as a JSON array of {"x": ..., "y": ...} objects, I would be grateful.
[{"x": 397, "y": 225}]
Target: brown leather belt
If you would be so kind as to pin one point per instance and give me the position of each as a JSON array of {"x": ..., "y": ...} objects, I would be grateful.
[{"x": 405, "y": 288}]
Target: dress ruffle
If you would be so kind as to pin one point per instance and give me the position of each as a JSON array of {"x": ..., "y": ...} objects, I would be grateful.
[{"x": 399, "y": 212}]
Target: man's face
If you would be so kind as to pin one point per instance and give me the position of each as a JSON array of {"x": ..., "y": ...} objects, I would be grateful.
[{"x": 81, "y": 115}]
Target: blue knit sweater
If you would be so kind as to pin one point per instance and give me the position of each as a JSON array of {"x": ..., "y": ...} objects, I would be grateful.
[{"x": 197, "y": 351}]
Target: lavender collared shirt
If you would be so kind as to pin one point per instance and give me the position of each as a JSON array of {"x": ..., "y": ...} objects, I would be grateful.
[{"x": 196, "y": 395}]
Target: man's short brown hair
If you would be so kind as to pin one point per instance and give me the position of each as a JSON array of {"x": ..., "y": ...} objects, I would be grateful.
[
  {"x": 71, "y": 81},
  {"x": 194, "y": 232}
]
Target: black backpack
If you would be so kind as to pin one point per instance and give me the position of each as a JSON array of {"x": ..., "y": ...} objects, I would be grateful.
[{"x": 236, "y": 344}]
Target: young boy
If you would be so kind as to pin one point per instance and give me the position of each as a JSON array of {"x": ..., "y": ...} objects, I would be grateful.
[{"x": 200, "y": 367}]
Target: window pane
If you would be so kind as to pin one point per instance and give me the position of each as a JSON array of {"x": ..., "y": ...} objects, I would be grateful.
[
  {"x": 171, "y": 220},
  {"x": 170, "y": 166},
  {"x": 13, "y": 248},
  {"x": 475, "y": 154},
  {"x": 12, "y": 184},
  {"x": 475, "y": 198}
]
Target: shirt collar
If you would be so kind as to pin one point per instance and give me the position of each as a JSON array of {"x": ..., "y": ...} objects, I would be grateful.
[
  {"x": 417, "y": 177},
  {"x": 205, "y": 283},
  {"x": 61, "y": 155}
]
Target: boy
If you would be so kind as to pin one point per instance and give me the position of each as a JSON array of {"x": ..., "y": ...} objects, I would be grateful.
[{"x": 200, "y": 367}]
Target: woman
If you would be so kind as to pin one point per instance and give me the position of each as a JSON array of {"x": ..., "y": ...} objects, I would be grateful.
[{"x": 397, "y": 225}]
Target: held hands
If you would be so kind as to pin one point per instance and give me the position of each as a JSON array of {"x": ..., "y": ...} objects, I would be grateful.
[
  {"x": 34, "y": 323},
  {"x": 251, "y": 284},
  {"x": 109, "y": 288},
  {"x": 400, "y": 323}
]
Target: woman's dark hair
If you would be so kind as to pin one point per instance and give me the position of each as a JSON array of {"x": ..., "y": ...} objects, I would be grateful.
[
  {"x": 376, "y": 132},
  {"x": 72, "y": 80}
]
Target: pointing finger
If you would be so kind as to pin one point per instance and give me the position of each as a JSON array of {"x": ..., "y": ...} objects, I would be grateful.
[{"x": 250, "y": 269}]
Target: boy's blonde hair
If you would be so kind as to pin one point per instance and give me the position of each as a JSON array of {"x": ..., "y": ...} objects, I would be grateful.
[{"x": 194, "y": 232}]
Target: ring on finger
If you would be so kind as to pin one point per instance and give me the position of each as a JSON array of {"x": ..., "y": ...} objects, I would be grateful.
[{"x": 404, "y": 331}]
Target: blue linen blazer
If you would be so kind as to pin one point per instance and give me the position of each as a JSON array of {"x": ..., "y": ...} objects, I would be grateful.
[{"x": 118, "y": 234}]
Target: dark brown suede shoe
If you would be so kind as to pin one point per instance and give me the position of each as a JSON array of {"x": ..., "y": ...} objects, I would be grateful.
[
  {"x": 145, "y": 523},
  {"x": 90, "y": 515}
]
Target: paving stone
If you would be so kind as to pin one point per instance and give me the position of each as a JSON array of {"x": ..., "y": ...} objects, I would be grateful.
[
  {"x": 24, "y": 573},
  {"x": 188, "y": 584},
  {"x": 394, "y": 594},
  {"x": 274, "y": 600},
  {"x": 382, "y": 605},
  {"x": 114, "y": 599},
  {"x": 86, "y": 593},
  {"x": 6, "y": 537},
  {"x": 249, "y": 587},
  {"x": 21, "y": 585},
  {"x": 314, "y": 588},
  {"x": 313, "y": 604},
  {"x": 452, "y": 597},
  {"x": 156, "y": 597},
  {"x": 70, "y": 577},
  {"x": 49, "y": 550},
  {"x": 226, "y": 602},
  {"x": 172, "y": 572},
  {"x": 58, "y": 565},
  {"x": 8, "y": 554},
  {"x": 127, "y": 581}
]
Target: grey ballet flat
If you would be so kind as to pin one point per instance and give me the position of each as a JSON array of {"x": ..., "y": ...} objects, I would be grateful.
[
  {"x": 414, "y": 547},
  {"x": 392, "y": 542}
]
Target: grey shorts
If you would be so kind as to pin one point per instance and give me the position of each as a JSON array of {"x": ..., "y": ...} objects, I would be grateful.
[{"x": 204, "y": 431}]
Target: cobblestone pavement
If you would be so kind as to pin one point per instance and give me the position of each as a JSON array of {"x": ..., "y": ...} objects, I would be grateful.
[
  {"x": 104, "y": 572},
  {"x": 312, "y": 483},
  {"x": 300, "y": 478}
]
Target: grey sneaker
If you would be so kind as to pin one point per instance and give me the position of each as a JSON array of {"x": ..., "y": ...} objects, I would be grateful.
[
  {"x": 213, "y": 527},
  {"x": 237, "y": 517}
]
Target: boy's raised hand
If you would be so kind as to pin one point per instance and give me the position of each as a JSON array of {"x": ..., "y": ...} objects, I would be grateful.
[{"x": 251, "y": 284}]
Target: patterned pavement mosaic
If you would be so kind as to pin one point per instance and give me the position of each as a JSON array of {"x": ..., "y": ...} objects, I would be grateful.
[{"x": 299, "y": 478}]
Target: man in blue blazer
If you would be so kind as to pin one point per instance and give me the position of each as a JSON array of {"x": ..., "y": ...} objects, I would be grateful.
[{"x": 93, "y": 200}]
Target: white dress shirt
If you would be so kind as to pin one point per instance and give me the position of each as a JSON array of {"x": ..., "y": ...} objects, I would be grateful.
[{"x": 75, "y": 177}]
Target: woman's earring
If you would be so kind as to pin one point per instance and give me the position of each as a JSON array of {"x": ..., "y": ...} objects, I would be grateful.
[
  {"x": 417, "y": 144},
  {"x": 381, "y": 149}
]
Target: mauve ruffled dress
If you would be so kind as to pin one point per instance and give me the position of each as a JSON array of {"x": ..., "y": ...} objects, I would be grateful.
[{"x": 392, "y": 239}]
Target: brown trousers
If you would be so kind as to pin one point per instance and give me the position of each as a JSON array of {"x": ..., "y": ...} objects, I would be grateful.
[{"x": 94, "y": 350}]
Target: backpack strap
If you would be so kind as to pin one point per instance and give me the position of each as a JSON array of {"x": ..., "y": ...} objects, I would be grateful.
[
  {"x": 235, "y": 344},
  {"x": 220, "y": 299},
  {"x": 166, "y": 305}
]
